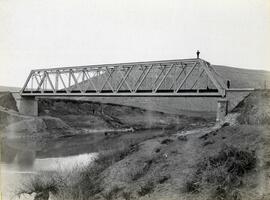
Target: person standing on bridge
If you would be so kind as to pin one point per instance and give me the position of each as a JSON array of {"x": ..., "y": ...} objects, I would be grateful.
[
  {"x": 198, "y": 53},
  {"x": 228, "y": 84}
]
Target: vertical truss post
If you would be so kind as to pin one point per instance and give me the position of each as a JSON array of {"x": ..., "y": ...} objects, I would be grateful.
[
  {"x": 67, "y": 91},
  {"x": 56, "y": 80},
  {"x": 32, "y": 79},
  {"x": 75, "y": 80},
  {"x": 69, "y": 79},
  {"x": 50, "y": 82},
  {"x": 83, "y": 75}
]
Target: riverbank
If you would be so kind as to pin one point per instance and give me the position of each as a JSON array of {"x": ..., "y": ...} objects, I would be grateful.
[
  {"x": 195, "y": 160},
  {"x": 229, "y": 161},
  {"x": 70, "y": 128}
]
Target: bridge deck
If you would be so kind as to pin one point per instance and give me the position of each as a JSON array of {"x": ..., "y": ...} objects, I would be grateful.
[{"x": 162, "y": 93}]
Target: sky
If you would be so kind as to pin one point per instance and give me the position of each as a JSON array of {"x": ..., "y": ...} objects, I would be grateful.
[{"x": 58, "y": 33}]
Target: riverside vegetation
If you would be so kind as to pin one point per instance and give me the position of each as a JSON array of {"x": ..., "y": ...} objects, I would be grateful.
[{"x": 231, "y": 162}]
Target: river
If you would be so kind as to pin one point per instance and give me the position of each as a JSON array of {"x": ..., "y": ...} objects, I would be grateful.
[{"x": 27, "y": 157}]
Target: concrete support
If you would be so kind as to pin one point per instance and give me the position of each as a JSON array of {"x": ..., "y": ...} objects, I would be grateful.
[
  {"x": 222, "y": 109},
  {"x": 27, "y": 106}
]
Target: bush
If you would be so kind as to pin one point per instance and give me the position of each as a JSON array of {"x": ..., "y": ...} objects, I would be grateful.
[
  {"x": 147, "y": 188},
  {"x": 182, "y": 138},
  {"x": 166, "y": 141},
  {"x": 90, "y": 182},
  {"x": 42, "y": 184},
  {"x": 112, "y": 193},
  {"x": 223, "y": 171},
  {"x": 138, "y": 173},
  {"x": 127, "y": 195},
  {"x": 163, "y": 179}
]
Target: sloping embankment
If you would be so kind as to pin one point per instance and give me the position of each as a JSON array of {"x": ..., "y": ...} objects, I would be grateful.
[
  {"x": 232, "y": 162},
  {"x": 229, "y": 163},
  {"x": 96, "y": 115}
]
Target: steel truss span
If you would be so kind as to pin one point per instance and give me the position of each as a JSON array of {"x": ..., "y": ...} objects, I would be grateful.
[{"x": 169, "y": 78}]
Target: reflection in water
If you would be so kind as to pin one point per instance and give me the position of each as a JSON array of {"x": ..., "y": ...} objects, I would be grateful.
[
  {"x": 34, "y": 165},
  {"x": 25, "y": 159},
  {"x": 25, "y": 165},
  {"x": 63, "y": 163}
]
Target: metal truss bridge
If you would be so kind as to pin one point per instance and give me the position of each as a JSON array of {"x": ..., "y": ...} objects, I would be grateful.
[{"x": 168, "y": 78}]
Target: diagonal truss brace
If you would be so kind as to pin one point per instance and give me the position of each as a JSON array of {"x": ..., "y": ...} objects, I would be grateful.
[
  {"x": 164, "y": 77},
  {"x": 108, "y": 79},
  {"x": 184, "y": 80},
  {"x": 221, "y": 90},
  {"x": 124, "y": 78},
  {"x": 84, "y": 81}
]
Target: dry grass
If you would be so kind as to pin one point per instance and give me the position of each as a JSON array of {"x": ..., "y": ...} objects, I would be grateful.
[
  {"x": 127, "y": 195},
  {"x": 112, "y": 194},
  {"x": 90, "y": 181},
  {"x": 44, "y": 183},
  {"x": 222, "y": 174},
  {"x": 79, "y": 183},
  {"x": 147, "y": 188},
  {"x": 254, "y": 109},
  {"x": 138, "y": 173}
]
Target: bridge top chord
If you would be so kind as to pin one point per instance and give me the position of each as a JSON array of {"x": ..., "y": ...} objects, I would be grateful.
[{"x": 167, "y": 78}]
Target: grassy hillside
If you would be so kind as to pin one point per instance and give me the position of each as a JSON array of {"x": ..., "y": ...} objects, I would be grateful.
[
  {"x": 244, "y": 78},
  {"x": 9, "y": 89},
  {"x": 240, "y": 78}
]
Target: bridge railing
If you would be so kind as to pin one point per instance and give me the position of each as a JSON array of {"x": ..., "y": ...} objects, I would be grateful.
[{"x": 183, "y": 77}]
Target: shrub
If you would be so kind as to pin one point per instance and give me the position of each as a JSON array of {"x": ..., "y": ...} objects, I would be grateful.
[
  {"x": 163, "y": 179},
  {"x": 41, "y": 184},
  {"x": 127, "y": 195},
  {"x": 141, "y": 171},
  {"x": 191, "y": 185},
  {"x": 112, "y": 193},
  {"x": 182, "y": 138},
  {"x": 223, "y": 171},
  {"x": 147, "y": 188},
  {"x": 90, "y": 182},
  {"x": 166, "y": 141}
]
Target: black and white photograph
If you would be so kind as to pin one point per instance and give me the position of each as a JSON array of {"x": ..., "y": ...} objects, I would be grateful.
[{"x": 135, "y": 100}]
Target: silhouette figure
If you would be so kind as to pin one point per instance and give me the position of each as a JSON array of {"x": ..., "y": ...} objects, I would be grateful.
[
  {"x": 198, "y": 53},
  {"x": 228, "y": 84}
]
